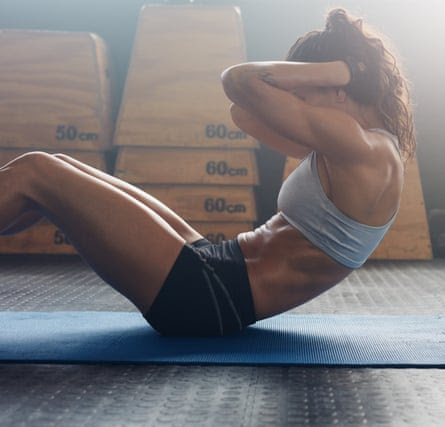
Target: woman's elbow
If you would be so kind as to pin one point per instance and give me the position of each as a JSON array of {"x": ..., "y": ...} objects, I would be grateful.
[
  {"x": 230, "y": 82},
  {"x": 236, "y": 81}
]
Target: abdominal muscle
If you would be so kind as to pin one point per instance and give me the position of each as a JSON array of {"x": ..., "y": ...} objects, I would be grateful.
[{"x": 284, "y": 268}]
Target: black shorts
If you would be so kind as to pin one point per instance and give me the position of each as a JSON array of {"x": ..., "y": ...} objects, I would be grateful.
[{"x": 207, "y": 293}]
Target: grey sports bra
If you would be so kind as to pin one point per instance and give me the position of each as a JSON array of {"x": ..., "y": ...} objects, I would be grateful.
[{"x": 303, "y": 203}]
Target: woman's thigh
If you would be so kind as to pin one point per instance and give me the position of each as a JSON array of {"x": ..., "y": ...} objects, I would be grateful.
[{"x": 175, "y": 221}]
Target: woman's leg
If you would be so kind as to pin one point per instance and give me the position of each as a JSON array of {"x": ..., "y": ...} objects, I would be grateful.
[
  {"x": 174, "y": 220},
  {"x": 126, "y": 242}
]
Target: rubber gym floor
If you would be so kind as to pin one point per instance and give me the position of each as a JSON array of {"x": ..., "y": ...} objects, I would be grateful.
[{"x": 177, "y": 395}]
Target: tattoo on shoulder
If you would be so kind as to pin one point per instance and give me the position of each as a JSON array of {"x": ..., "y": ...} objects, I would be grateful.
[{"x": 267, "y": 77}]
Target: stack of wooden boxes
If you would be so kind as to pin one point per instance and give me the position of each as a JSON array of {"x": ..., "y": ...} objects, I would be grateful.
[
  {"x": 54, "y": 97},
  {"x": 174, "y": 133}
]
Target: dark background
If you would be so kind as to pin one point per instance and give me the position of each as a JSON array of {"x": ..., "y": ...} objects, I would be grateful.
[{"x": 416, "y": 28}]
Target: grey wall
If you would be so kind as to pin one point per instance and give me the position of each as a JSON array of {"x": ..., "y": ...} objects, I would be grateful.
[{"x": 415, "y": 26}]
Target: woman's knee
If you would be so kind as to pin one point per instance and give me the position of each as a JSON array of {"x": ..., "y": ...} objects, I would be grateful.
[
  {"x": 31, "y": 159},
  {"x": 27, "y": 168}
]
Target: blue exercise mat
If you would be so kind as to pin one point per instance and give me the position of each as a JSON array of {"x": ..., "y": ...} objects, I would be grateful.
[{"x": 328, "y": 340}]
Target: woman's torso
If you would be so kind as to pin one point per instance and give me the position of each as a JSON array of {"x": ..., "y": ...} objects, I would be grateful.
[{"x": 285, "y": 268}]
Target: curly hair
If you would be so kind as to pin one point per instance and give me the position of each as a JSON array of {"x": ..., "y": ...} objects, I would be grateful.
[{"x": 377, "y": 78}]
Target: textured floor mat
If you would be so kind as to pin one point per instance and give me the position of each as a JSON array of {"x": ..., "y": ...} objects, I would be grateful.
[{"x": 329, "y": 340}]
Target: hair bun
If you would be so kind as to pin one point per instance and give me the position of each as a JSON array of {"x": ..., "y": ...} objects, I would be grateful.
[{"x": 338, "y": 20}]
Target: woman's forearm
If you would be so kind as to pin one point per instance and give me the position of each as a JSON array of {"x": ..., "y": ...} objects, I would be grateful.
[
  {"x": 284, "y": 75},
  {"x": 260, "y": 131}
]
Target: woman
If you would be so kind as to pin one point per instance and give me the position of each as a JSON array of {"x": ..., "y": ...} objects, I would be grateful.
[{"x": 339, "y": 102}]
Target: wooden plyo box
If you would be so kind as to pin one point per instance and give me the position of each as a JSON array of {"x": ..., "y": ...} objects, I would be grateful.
[
  {"x": 187, "y": 166},
  {"x": 173, "y": 94},
  {"x": 409, "y": 237},
  {"x": 174, "y": 133},
  {"x": 54, "y": 91},
  {"x": 43, "y": 238},
  {"x": 207, "y": 203}
]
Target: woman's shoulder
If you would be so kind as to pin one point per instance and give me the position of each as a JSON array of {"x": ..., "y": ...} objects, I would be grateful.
[{"x": 393, "y": 138}]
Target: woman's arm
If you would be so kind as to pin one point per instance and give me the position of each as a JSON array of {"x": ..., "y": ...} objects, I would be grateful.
[
  {"x": 254, "y": 127},
  {"x": 284, "y": 75},
  {"x": 264, "y": 90}
]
